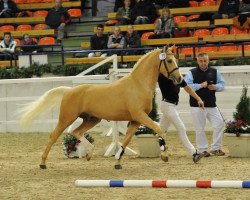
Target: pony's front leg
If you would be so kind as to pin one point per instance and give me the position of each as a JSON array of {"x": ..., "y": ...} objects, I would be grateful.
[
  {"x": 144, "y": 119},
  {"x": 133, "y": 126}
]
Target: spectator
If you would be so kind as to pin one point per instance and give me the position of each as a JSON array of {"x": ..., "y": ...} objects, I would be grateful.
[
  {"x": 132, "y": 40},
  {"x": 7, "y": 47},
  {"x": 170, "y": 115},
  {"x": 244, "y": 14},
  {"x": 227, "y": 9},
  {"x": 32, "y": 48},
  {"x": 123, "y": 14},
  {"x": 120, "y": 3},
  {"x": 8, "y": 9},
  {"x": 57, "y": 18},
  {"x": 164, "y": 25},
  {"x": 244, "y": 7},
  {"x": 116, "y": 41},
  {"x": 98, "y": 42},
  {"x": 144, "y": 12},
  {"x": 206, "y": 80}
]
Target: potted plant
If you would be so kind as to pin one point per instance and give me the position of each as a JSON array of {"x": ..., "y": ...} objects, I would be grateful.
[
  {"x": 147, "y": 140},
  {"x": 238, "y": 130},
  {"x": 74, "y": 148}
]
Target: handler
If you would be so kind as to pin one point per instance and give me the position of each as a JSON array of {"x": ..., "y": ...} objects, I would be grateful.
[{"x": 170, "y": 115}]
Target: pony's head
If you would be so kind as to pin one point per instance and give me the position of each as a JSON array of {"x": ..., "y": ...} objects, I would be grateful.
[{"x": 168, "y": 65}]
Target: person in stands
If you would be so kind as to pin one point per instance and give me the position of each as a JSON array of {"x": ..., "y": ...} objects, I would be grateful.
[
  {"x": 120, "y": 3},
  {"x": 227, "y": 9},
  {"x": 58, "y": 18},
  {"x": 144, "y": 12},
  {"x": 164, "y": 26},
  {"x": 116, "y": 41},
  {"x": 28, "y": 45},
  {"x": 132, "y": 40},
  {"x": 123, "y": 14},
  {"x": 8, "y": 9},
  {"x": 98, "y": 41},
  {"x": 7, "y": 47}
]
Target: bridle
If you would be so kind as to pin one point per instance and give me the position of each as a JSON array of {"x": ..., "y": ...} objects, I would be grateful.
[{"x": 165, "y": 64}]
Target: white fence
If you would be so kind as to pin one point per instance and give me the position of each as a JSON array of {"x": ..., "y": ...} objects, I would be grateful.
[{"x": 16, "y": 92}]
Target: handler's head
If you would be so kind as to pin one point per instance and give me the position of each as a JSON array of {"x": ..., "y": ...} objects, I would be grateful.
[{"x": 203, "y": 60}]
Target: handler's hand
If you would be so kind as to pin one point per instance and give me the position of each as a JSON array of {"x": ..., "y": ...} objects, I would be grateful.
[
  {"x": 211, "y": 87},
  {"x": 201, "y": 104}
]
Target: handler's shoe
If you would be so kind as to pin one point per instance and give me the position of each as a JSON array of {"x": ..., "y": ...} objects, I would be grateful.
[
  {"x": 206, "y": 154},
  {"x": 197, "y": 156},
  {"x": 217, "y": 152}
]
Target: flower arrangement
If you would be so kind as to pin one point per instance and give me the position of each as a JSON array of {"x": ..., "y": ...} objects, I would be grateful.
[
  {"x": 241, "y": 122},
  {"x": 70, "y": 143}
]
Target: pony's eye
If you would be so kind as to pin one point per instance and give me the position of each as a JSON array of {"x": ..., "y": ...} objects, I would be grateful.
[{"x": 169, "y": 61}]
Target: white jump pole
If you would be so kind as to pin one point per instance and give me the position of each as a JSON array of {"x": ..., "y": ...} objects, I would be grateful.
[{"x": 165, "y": 183}]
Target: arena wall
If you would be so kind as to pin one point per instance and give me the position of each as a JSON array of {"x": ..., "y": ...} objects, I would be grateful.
[{"x": 16, "y": 92}]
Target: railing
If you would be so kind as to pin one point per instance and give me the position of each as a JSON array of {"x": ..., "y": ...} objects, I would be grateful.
[{"x": 124, "y": 53}]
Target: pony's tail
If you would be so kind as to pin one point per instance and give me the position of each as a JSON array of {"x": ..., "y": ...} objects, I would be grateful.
[{"x": 49, "y": 100}]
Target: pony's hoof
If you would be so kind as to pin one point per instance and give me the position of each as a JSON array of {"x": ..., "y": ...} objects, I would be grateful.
[
  {"x": 164, "y": 158},
  {"x": 43, "y": 166},
  {"x": 88, "y": 157},
  {"x": 118, "y": 166}
]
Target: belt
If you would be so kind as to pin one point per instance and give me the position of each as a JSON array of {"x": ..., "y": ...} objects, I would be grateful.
[{"x": 173, "y": 102}]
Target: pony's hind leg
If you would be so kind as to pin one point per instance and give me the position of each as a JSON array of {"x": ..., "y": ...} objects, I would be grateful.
[
  {"x": 53, "y": 138},
  {"x": 133, "y": 126},
  {"x": 144, "y": 119},
  {"x": 84, "y": 127}
]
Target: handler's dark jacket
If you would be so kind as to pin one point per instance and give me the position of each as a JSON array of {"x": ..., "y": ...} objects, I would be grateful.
[
  {"x": 170, "y": 91},
  {"x": 208, "y": 96}
]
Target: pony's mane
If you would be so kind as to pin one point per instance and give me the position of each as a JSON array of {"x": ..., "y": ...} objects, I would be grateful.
[{"x": 143, "y": 57}]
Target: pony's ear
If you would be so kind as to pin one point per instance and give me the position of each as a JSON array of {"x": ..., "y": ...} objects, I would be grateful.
[{"x": 172, "y": 47}]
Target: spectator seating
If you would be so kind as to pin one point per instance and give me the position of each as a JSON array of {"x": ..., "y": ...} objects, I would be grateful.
[
  {"x": 132, "y": 58},
  {"x": 220, "y": 31},
  {"x": 40, "y": 13},
  {"x": 236, "y": 31},
  {"x": 190, "y": 17},
  {"x": 41, "y": 6},
  {"x": 178, "y": 19},
  {"x": 146, "y": 35},
  {"x": 75, "y": 13},
  {"x": 40, "y": 26},
  {"x": 207, "y": 3},
  {"x": 7, "y": 28},
  {"x": 208, "y": 49},
  {"x": 193, "y": 4},
  {"x": 182, "y": 11},
  {"x": 22, "y": 20},
  {"x": 200, "y": 33},
  {"x": 33, "y": 33},
  {"x": 24, "y": 27},
  {"x": 47, "y": 41}
]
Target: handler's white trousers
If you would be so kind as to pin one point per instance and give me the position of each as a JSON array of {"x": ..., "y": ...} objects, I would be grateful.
[
  {"x": 170, "y": 116},
  {"x": 199, "y": 119}
]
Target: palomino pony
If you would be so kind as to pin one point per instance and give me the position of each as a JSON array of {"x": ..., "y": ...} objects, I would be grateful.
[{"x": 127, "y": 99}]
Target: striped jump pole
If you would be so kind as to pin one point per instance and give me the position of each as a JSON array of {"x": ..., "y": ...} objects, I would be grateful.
[{"x": 164, "y": 183}]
